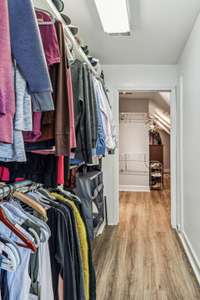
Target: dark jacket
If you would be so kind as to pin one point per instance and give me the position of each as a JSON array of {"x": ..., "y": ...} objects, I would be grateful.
[{"x": 55, "y": 125}]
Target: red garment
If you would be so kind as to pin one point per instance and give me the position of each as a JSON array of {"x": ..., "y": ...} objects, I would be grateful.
[
  {"x": 60, "y": 171},
  {"x": 49, "y": 39},
  {"x": 4, "y": 174},
  {"x": 71, "y": 109}
]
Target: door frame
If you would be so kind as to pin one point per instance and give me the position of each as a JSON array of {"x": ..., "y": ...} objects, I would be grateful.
[{"x": 174, "y": 150}]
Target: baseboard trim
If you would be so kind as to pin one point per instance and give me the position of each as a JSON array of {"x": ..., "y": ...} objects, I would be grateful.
[
  {"x": 191, "y": 255},
  {"x": 133, "y": 188}
]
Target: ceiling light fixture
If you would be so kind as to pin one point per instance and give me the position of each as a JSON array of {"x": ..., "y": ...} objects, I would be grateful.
[{"x": 114, "y": 15}]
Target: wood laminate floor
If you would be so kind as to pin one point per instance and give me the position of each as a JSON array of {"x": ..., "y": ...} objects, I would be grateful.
[{"x": 142, "y": 259}]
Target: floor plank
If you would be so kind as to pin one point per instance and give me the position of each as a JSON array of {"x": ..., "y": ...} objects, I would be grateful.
[{"x": 142, "y": 259}]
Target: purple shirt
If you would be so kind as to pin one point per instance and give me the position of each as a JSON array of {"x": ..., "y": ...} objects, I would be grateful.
[{"x": 7, "y": 95}]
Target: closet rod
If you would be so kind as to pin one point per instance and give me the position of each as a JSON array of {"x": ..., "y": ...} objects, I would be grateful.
[{"x": 49, "y": 6}]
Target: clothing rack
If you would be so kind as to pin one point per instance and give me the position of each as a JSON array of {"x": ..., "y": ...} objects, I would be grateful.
[
  {"x": 51, "y": 8},
  {"x": 133, "y": 117}
]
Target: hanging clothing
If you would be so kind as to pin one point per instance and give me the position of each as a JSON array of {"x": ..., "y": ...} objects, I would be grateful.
[
  {"x": 38, "y": 168},
  {"x": 93, "y": 110},
  {"x": 107, "y": 118},
  {"x": 85, "y": 109},
  {"x": 71, "y": 109},
  {"x": 20, "y": 277},
  {"x": 29, "y": 54},
  {"x": 22, "y": 121},
  {"x": 83, "y": 242},
  {"x": 55, "y": 125},
  {"x": 79, "y": 106},
  {"x": 35, "y": 133},
  {"x": 87, "y": 135},
  {"x": 4, "y": 174},
  {"x": 46, "y": 286},
  {"x": 49, "y": 38},
  {"x": 61, "y": 246},
  {"x": 62, "y": 133},
  {"x": 60, "y": 171},
  {"x": 101, "y": 135},
  {"x": 7, "y": 96}
]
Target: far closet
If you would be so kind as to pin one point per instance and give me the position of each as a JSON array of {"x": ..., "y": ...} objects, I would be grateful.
[{"x": 144, "y": 140}]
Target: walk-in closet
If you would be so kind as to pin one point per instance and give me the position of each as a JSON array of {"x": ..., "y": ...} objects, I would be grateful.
[{"x": 99, "y": 150}]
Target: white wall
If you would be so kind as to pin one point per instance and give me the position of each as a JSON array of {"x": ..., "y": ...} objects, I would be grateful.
[
  {"x": 134, "y": 146},
  {"x": 189, "y": 70},
  {"x": 134, "y": 155},
  {"x": 129, "y": 77},
  {"x": 140, "y": 105}
]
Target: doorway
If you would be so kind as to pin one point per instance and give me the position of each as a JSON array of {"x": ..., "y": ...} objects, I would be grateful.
[{"x": 147, "y": 133}]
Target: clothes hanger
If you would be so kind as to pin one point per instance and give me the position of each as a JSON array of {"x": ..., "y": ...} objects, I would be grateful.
[
  {"x": 9, "y": 262},
  {"x": 32, "y": 224},
  {"x": 46, "y": 193},
  {"x": 68, "y": 194},
  {"x": 13, "y": 246},
  {"x": 44, "y": 228},
  {"x": 18, "y": 221},
  {"x": 36, "y": 237},
  {"x": 14, "y": 228},
  {"x": 28, "y": 201},
  {"x": 46, "y": 198},
  {"x": 11, "y": 222},
  {"x": 15, "y": 250},
  {"x": 31, "y": 203}
]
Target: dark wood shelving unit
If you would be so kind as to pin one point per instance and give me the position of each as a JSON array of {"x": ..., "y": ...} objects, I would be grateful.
[{"x": 156, "y": 171}]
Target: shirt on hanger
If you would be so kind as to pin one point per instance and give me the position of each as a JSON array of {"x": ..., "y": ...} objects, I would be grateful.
[
  {"x": 101, "y": 138},
  {"x": 22, "y": 122},
  {"x": 49, "y": 38},
  {"x": 71, "y": 109},
  {"x": 55, "y": 125},
  {"x": 107, "y": 117}
]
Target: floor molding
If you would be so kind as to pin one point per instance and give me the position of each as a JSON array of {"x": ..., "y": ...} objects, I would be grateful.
[
  {"x": 133, "y": 188},
  {"x": 191, "y": 255}
]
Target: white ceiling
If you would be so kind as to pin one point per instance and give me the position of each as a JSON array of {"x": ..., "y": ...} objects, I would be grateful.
[{"x": 160, "y": 29}]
